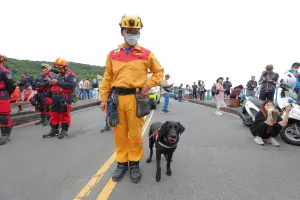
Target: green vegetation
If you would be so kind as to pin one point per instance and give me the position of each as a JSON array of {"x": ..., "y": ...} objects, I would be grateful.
[{"x": 33, "y": 68}]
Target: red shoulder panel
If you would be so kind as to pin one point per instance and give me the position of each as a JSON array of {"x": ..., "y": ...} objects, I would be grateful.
[{"x": 133, "y": 55}]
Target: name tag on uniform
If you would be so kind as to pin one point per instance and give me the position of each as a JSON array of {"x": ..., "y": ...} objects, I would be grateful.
[{"x": 137, "y": 53}]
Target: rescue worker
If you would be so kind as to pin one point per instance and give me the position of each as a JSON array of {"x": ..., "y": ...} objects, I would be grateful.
[
  {"x": 126, "y": 75},
  {"x": 42, "y": 85},
  {"x": 62, "y": 92},
  {"x": 7, "y": 87}
]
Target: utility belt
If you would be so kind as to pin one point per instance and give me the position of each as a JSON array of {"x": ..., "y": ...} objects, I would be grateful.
[
  {"x": 72, "y": 96},
  {"x": 125, "y": 91},
  {"x": 142, "y": 104}
]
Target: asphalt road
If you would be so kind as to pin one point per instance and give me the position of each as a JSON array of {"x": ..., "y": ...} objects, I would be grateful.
[{"x": 215, "y": 160}]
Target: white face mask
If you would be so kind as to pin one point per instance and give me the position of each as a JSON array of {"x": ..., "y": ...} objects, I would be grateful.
[
  {"x": 131, "y": 39},
  {"x": 294, "y": 69}
]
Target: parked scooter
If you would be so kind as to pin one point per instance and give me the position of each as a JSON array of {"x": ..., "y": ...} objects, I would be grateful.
[{"x": 290, "y": 133}]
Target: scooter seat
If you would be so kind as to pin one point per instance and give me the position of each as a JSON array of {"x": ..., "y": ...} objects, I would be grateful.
[{"x": 256, "y": 102}]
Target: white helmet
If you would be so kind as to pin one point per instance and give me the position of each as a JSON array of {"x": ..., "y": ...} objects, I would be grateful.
[{"x": 288, "y": 80}]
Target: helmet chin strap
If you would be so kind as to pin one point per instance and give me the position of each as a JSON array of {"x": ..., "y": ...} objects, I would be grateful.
[{"x": 65, "y": 70}]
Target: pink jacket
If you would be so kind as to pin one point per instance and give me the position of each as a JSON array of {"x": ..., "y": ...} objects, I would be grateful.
[{"x": 27, "y": 94}]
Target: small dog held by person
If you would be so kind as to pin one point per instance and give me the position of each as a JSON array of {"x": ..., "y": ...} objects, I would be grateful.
[{"x": 165, "y": 136}]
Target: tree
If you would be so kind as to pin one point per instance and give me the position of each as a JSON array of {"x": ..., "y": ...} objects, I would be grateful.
[{"x": 33, "y": 68}]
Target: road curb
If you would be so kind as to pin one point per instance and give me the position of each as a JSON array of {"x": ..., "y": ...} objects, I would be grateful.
[
  {"x": 27, "y": 118},
  {"x": 228, "y": 109}
]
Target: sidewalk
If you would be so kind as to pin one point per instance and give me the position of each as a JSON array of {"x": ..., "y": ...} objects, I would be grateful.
[
  {"x": 212, "y": 104},
  {"x": 27, "y": 115},
  {"x": 27, "y": 109}
]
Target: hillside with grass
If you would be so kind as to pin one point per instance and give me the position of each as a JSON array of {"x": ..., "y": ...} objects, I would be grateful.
[{"x": 33, "y": 68}]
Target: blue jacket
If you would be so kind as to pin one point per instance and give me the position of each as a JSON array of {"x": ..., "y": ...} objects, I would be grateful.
[{"x": 298, "y": 79}]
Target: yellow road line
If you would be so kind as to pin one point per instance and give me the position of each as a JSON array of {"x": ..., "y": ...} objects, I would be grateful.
[
  {"x": 110, "y": 185},
  {"x": 100, "y": 173}
]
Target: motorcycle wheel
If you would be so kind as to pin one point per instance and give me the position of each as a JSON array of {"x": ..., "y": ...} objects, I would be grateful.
[{"x": 288, "y": 135}]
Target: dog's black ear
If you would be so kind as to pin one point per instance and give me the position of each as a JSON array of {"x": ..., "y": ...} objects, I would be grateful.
[
  {"x": 162, "y": 131},
  {"x": 181, "y": 128}
]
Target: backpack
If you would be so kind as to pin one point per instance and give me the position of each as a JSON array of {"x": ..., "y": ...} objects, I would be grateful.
[{"x": 214, "y": 90}]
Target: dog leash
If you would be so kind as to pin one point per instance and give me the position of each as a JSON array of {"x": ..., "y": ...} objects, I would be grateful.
[{"x": 155, "y": 133}]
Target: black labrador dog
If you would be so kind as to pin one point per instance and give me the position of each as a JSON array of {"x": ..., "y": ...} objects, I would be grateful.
[{"x": 165, "y": 137}]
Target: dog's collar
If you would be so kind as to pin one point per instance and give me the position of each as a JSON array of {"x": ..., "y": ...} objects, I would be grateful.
[
  {"x": 155, "y": 134},
  {"x": 164, "y": 145},
  {"x": 169, "y": 147}
]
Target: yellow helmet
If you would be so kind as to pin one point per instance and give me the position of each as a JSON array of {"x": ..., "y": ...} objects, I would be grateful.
[
  {"x": 45, "y": 65},
  {"x": 131, "y": 21}
]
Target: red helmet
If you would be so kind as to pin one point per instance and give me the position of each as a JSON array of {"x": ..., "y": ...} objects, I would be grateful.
[{"x": 2, "y": 58}]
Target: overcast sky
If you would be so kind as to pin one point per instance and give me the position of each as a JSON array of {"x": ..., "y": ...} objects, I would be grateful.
[{"x": 193, "y": 39}]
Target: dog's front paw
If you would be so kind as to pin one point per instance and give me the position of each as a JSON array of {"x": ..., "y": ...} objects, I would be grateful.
[
  {"x": 169, "y": 172},
  {"x": 149, "y": 160},
  {"x": 158, "y": 176}
]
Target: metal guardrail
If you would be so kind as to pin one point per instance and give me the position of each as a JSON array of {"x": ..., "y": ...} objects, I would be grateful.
[
  {"x": 19, "y": 103},
  {"x": 208, "y": 95}
]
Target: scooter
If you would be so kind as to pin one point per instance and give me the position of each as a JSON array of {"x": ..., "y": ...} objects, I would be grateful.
[
  {"x": 291, "y": 133},
  {"x": 251, "y": 107}
]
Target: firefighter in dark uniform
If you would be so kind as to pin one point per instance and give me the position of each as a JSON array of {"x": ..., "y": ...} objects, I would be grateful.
[
  {"x": 62, "y": 92},
  {"x": 7, "y": 87},
  {"x": 43, "y": 96}
]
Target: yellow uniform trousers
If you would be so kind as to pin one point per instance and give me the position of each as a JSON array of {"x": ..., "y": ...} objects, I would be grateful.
[{"x": 128, "y": 133}]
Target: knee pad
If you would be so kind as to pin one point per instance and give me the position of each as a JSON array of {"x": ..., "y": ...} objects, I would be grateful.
[{"x": 3, "y": 120}]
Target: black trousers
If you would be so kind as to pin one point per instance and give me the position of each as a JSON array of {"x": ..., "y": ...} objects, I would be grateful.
[
  {"x": 202, "y": 95},
  {"x": 262, "y": 128},
  {"x": 194, "y": 94},
  {"x": 264, "y": 95}
]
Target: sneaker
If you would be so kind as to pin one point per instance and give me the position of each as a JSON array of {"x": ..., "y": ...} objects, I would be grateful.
[
  {"x": 258, "y": 140},
  {"x": 272, "y": 141},
  {"x": 218, "y": 113},
  {"x": 164, "y": 111}
]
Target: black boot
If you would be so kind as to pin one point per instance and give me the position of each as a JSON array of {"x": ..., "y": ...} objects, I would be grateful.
[
  {"x": 106, "y": 128},
  {"x": 135, "y": 172},
  {"x": 54, "y": 131},
  {"x": 46, "y": 120},
  {"x": 5, "y": 135},
  {"x": 119, "y": 171},
  {"x": 64, "y": 130},
  {"x": 41, "y": 121}
]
